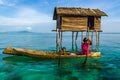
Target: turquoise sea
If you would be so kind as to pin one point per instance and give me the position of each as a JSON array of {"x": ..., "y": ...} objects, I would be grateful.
[{"x": 106, "y": 67}]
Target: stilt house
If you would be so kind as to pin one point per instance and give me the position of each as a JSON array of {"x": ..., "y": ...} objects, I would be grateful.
[{"x": 77, "y": 20}]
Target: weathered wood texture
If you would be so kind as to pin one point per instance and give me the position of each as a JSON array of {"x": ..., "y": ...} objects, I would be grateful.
[
  {"x": 97, "y": 23},
  {"x": 77, "y": 23},
  {"x": 74, "y": 23}
]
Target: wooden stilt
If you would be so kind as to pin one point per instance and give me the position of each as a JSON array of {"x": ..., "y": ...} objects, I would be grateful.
[
  {"x": 76, "y": 47},
  {"x": 57, "y": 49},
  {"x": 81, "y": 37},
  {"x": 88, "y": 34},
  {"x": 61, "y": 38},
  {"x": 59, "y": 42},
  {"x": 59, "y": 45},
  {"x": 92, "y": 40},
  {"x": 73, "y": 41},
  {"x": 76, "y": 37},
  {"x": 96, "y": 40}
]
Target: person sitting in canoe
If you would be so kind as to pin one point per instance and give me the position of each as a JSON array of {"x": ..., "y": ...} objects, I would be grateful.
[
  {"x": 85, "y": 47},
  {"x": 63, "y": 51}
]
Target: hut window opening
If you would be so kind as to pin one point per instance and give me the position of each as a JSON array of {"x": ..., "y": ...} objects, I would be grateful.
[{"x": 90, "y": 22}]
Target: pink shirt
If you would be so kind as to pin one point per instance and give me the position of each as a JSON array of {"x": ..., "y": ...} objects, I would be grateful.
[{"x": 85, "y": 49}]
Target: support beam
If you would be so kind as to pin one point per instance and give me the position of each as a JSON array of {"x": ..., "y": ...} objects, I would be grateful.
[
  {"x": 57, "y": 48},
  {"x": 61, "y": 38},
  {"x": 76, "y": 37},
  {"x": 97, "y": 43},
  {"x": 73, "y": 41},
  {"x": 88, "y": 34},
  {"x": 92, "y": 39},
  {"x": 59, "y": 42},
  {"x": 98, "y": 39},
  {"x": 76, "y": 40},
  {"x": 81, "y": 38}
]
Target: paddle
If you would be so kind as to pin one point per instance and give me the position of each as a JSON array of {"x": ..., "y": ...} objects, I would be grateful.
[{"x": 85, "y": 61}]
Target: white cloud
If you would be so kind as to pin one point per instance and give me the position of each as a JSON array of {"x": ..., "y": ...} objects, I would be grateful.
[
  {"x": 26, "y": 16},
  {"x": 8, "y": 2},
  {"x": 33, "y": 16},
  {"x": 1, "y": 2},
  {"x": 28, "y": 28},
  {"x": 26, "y": 12}
]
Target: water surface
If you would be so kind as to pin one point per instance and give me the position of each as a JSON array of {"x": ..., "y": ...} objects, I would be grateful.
[{"x": 106, "y": 67}]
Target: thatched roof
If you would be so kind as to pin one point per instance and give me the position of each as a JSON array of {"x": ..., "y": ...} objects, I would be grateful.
[{"x": 66, "y": 11}]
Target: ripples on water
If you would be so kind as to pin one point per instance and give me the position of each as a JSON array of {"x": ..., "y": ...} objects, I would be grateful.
[{"x": 26, "y": 68}]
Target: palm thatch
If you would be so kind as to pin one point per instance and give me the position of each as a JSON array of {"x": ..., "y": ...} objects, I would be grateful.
[{"x": 66, "y": 11}]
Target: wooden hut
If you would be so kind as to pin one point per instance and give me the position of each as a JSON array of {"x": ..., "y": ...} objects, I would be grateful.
[{"x": 84, "y": 20}]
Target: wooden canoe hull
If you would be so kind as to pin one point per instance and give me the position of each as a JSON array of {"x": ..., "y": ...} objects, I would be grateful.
[{"x": 43, "y": 54}]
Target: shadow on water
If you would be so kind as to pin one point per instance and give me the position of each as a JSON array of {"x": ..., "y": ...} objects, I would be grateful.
[
  {"x": 25, "y": 60},
  {"x": 73, "y": 69}
]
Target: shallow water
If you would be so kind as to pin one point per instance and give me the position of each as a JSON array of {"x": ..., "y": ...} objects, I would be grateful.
[{"x": 106, "y": 67}]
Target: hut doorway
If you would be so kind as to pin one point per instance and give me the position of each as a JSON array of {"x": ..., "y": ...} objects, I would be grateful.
[{"x": 91, "y": 22}]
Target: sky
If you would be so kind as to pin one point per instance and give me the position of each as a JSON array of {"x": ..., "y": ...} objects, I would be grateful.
[{"x": 37, "y": 15}]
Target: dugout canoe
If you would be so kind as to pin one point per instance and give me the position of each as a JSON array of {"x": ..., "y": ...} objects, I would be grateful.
[{"x": 43, "y": 54}]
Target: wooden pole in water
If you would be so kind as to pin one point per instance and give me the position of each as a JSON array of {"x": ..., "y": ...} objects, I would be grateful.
[
  {"x": 76, "y": 40},
  {"x": 92, "y": 40},
  {"x": 57, "y": 40},
  {"x": 88, "y": 34},
  {"x": 59, "y": 48},
  {"x": 81, "y": 38},
  {"x": 76, "y": 37},
  {"x": 61, "y": 38},
  {"x": 96, "y": 41},
  {"x": 73, "y": 41}
]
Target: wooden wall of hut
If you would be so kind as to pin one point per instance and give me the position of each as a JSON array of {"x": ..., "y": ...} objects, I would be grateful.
[
  {"x": 97, "y": 23},
  {"x": 74, "y": 23}
]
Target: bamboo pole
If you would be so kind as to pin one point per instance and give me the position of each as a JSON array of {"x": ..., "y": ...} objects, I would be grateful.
[
  {"x": 81, "y": 38},
  {"x": 98, "y": 40},
  {"x": 92, "y": 39},
  {"x": 76, "y": 39},
  {"x": 61, "y": 38},
  {"x": 73, "y": 41},
  {"x": 97, "y": 37},
  {"x": 88, "y": 34},
  {"x": 57, "y": 40}
]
